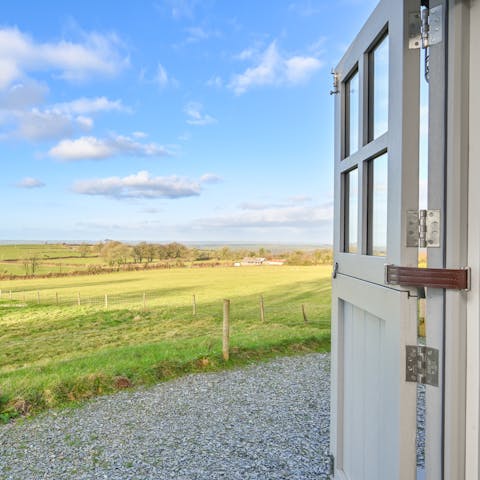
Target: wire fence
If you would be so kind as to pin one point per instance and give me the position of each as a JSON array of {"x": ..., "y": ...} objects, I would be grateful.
[{"x": 263, "y": 309}]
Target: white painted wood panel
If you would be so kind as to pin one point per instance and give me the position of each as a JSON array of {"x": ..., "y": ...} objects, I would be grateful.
[
  {"x": 376, "y": 406},
  {"x": 373, "y": 416}
]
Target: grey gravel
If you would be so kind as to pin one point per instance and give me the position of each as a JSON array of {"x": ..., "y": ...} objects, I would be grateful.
[{"x": 267, "y": 421}]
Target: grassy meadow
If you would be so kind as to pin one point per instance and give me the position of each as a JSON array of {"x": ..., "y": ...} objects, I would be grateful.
[
  {"x": 55, "y": 351},
  {"x": 51, "y": 258}
]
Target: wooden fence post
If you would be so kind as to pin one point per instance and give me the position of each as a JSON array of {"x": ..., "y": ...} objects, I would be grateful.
[
  {"x": 56, "y": 298},
  {"x": 226, "y": 330},
  {"x": 194, "y": 305},
  {"x": 38, "y": 297},
  {"x": 10, "y": 294},
  {"x": 262, "y": 309},
  {"x": 106, "y": 300},
  {"x": 144, "y": 301},
  {"x": 78, "y": 299},
  {"x": 305, "y": 319}
]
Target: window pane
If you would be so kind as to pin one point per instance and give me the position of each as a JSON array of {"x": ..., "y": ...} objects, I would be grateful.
[
  {"x": 351, "y": 211},
  {"x": 353, "y": 99},
  {"x": 379, "y": 59},
  {"x": 378, "y": 191}
]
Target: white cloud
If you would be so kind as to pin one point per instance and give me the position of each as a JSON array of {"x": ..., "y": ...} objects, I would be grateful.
[
  {"x": 300, "y": 199},
  {"x": 139, "y": 185},
  {"x": 210, "y": 178},
  {"x": 161, "y": 78},
  {"x": 273, "y": 68},
  {"x": 195, "y": 115},
  {"x": 185, "y": 137},
  {"x": 281, "y": 217},
  {"x": 30, "y": 182},
  {"x": 85, "y": 123},
  {"x": 182, "y": 8},
  {"x": 85, "y": 105},
  {"x": 139, "y": 135},
  {"x": 306, "y": 8},
  {"x": 23, "y": 95},
  {"x": 97, "y": 54},
  {"x": 215, "y": 81},
  {"x": 299, "y": 69},
  {"x": 92, "y": 148},
  {"x": 37, "y": 125},
  {"x": 197, "y": 34},
  {"x": 53, "y": 122},
  {"x": 247, "y": 54}
]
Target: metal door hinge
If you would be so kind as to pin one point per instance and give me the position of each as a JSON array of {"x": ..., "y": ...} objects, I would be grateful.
[
  {"x": 422, "y": 365},
  {"x": 423, "y": 228},
  {"x": 425, "y": 28},
  {"x": 335, "y": 89},
  {"x": 331, "y": 465}
]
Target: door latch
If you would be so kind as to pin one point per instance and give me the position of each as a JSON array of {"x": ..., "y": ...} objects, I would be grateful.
[{"x": 449, "y": 278}]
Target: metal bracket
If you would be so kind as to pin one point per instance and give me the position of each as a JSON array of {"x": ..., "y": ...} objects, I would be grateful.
[
  {"x": 425, "y": 28},
  {"x": 435, "y": 25},
  {"x": 414, "y": 30},
  {"x": 423, "y": 228},
  {"x": 335, "y": 89},
  {"x": 422, "y": 365}
]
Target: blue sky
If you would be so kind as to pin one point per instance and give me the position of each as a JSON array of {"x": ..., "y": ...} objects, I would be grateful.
[{"x": 164, "y": 120}]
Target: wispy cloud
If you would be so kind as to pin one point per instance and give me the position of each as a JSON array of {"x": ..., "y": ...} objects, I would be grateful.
[
  {"x": 273, "y": 217},
  {"x": 51, "y": 122},
  {"x": 30, "y": 182},
  {"x": 181, "y": 8},
  {"x": 210, "y": 178},
  {"x": 300, "y": 198},
  {"x": 306, "y": 8},
  {"x": 271, "y": 67},
  {"x": 139, "y": 134},
  {"x": 140, "y": 185},
  {"x": 38, "y": 125},
  {"x": 85, "y": 105},
  {"x": 196, "y": 116},
  {"x": 198, "y": 34},
  {"x": 22, "y": 95},
  {"x": 96, "y": 54},
  {"x": 160, "y": 77},
  {"x": 215, "y": 81},
  {"x": 92, "y": 148}
]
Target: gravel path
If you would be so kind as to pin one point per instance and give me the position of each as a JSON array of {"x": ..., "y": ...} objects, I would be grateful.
[{"x": 268, "y": 421}]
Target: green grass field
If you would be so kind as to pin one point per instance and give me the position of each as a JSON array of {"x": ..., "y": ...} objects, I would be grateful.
[
  {"x": 52, "y": 355},
  {"x": 52, "y": 258}
]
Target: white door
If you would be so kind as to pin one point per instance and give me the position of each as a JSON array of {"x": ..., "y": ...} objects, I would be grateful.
[{"x": 373, "y": 419}]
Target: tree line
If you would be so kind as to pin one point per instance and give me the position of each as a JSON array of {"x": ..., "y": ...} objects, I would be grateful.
[{"x": 118, "y": 253}]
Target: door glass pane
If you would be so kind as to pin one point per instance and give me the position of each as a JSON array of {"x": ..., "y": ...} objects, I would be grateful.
[
  {"x": 352, "y": 108},
  {"x": 379, "y": 89},
  {"x": 378, "y": 191},
  {"x": 351, "y": 211}
]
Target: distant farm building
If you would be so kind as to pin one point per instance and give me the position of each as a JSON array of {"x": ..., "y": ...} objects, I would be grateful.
[
  {"x": 252, "y": 261},
  {"x": 255, "y": 261}
]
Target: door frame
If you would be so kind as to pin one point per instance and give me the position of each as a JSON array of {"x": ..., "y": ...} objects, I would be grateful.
[{"x": 473, "y": 304}]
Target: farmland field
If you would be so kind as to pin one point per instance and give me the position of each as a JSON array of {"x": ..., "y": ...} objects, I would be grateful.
[
  {"x": 51, "y": 258},
  {"x": 66, "y": 339}
]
